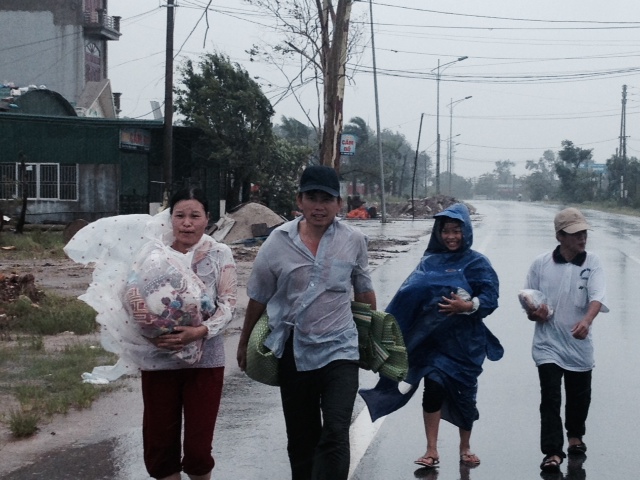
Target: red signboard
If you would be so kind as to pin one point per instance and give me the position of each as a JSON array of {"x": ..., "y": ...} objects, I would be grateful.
[{"x": 135, "y": 139}]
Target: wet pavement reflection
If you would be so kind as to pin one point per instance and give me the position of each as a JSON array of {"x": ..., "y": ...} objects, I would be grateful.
[
  {"x": 250, "y": 439},
  {"x": 506, "y": 437}
]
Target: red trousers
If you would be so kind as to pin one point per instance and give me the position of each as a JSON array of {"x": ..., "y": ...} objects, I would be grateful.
[{"x": 169, "y": 396}]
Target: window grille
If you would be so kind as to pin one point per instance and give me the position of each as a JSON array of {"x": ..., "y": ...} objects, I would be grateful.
[{"x": 46, "y": 181}]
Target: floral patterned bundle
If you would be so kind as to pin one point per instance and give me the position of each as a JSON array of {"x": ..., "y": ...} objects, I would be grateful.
[{"x": 163, "y": 292}]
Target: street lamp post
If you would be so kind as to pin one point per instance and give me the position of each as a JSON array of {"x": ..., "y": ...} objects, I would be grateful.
[
  {"x": 450, "y": 146},
  {"x": 444, "y": 66}
]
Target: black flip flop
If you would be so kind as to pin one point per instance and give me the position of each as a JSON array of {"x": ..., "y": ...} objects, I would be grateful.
[
  {"x": 549, "y": 465},
  {"x": 579, "y": 449}
]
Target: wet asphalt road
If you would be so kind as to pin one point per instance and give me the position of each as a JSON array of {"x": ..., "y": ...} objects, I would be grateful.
[
  {"x": 250, "y": 438},
  {"x": 506, "y": 436}
]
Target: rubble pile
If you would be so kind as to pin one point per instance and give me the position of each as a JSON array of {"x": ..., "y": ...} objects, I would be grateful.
[
  {"x": 424, "y": 207},
  {"x": 245, "y": 223}
]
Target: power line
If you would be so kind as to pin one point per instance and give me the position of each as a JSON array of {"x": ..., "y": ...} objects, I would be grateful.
[
  {"x": 508, "y": 78},
  {"x": 499, "y": 18},
  {"x": 493, "y": 28}
]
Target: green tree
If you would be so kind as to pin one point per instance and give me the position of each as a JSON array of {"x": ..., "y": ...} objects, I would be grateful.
[
  {"x": 487, "y": 184},
  {"x": 222, "y": 99},
  {"x": 398, "y": 163},
  {"x": 542, "y": 181},
  {"x": 460, "y": 187},
  {"x": 623, "y": 175},
  {"x": 577, "y": 182},
  {"x": 296, "y": 132},
  {"x": 278, "y": 178},
  {"x": 398, "y": 157},
  {"x": 503, "y": 171},
  {"x": 364, "y": 166}
]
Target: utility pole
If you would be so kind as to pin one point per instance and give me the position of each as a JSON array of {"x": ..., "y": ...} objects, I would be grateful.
[
  {"x": 375, "y": 88},
  {"x": 623, "y": 144},
  {"x": 415, "y": 168},
  {"x": 438, "y": 130},
  {"x": 167, "y": 144}
]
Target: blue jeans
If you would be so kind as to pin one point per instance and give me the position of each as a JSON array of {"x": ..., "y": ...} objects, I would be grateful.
[
  {"x": 577, "y": 386},
  {"x": 317, "y": 407}
]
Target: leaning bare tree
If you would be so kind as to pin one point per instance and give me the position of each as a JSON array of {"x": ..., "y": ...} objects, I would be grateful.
[{"x": 318, "y": 32}]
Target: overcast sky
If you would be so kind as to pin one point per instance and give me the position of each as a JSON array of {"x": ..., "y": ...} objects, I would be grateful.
[{"x": 538, "y": 72}]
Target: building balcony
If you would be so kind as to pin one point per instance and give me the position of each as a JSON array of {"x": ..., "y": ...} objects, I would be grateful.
[{"x": 98, "y": 24}]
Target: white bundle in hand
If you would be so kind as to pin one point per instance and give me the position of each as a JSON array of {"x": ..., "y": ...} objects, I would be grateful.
[{"x": 532, "y": 299}]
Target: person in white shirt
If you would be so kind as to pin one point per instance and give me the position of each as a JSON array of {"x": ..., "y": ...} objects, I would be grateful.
[{"x": 573, "y": 283}]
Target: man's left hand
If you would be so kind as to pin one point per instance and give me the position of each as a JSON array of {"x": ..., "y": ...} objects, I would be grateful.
[{"x": 580, "y": 330}]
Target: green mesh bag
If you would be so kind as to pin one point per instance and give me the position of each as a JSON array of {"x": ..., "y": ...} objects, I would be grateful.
[{"x": 262, "y": 364}]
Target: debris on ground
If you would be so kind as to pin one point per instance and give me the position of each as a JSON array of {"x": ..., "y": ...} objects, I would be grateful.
[
  {"x": 424, "y": 207},
  {"x": 242, "y": 253},
  {"x": 13, "y": 286},
  {"x": 245, "y": 223}
]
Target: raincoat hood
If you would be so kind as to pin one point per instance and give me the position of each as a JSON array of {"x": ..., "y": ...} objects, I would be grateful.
[
  {"x": 457, "y": 211},
  {"x": 450, "y": 349}
]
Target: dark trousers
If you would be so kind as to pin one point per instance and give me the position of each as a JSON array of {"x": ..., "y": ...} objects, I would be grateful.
[
  {"x": 167, "y": 395},
  {"x": 317, "y": 408},
  {"x": 577, "y": 386}
]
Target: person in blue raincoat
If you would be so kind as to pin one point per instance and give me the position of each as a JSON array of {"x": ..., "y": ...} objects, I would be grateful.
[{"x": 440, "y": 309}]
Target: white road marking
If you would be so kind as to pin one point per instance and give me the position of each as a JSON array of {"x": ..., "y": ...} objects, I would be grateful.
[{"x": 363, "y": 431}]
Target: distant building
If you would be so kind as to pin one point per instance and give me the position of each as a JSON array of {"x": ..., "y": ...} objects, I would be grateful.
[
  {"x": 62, "y": 145},
  {"x": 86, "y": 168},
  {"x": 61, "y": 46}
]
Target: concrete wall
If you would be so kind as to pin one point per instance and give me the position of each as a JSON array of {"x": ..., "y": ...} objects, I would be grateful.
[{"x": 43, "y": 48}]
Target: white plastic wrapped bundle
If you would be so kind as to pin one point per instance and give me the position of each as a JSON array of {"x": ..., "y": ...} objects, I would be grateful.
[
  {"x": 162, "y": 292},
  {"x": 112, "y": 244},
  {"x": 532, "y": 299}
]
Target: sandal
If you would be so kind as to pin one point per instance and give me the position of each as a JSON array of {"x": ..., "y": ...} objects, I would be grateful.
[
  {"x": 428, "y": 462},
  {"x": 550, "y": 464},
  {"x": 579, "y": 449},
  {"x": 469, "y": 459}
]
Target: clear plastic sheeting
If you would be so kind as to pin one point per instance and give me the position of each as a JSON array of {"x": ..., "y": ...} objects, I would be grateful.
[{"x": 111, "y": 245}]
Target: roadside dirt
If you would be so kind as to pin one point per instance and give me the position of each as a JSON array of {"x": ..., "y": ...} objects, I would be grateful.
[
  {"x": 67, "y": 278},
  {"x": 105, "y": 419}
]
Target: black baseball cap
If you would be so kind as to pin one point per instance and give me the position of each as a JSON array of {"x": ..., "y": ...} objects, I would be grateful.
[{"x": 320, "y": 177}]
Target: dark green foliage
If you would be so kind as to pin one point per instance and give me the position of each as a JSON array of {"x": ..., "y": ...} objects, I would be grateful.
[
  {"x": 228, "y": 105},
  {"x": 541, "y": 183},
  {"x": 576, "y": 181},
  {"x": 398, "y": 157},
  {"x": 278, "y": 178},
  {"x": 624, "y": 174}
]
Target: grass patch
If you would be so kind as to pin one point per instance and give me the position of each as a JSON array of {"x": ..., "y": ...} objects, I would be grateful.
[
  {"x": 47, "y": 383},
  {"x": 54, "y": 314},
  {"x": 23, "y": 424},
  {"x": 33, "y": 244}
]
